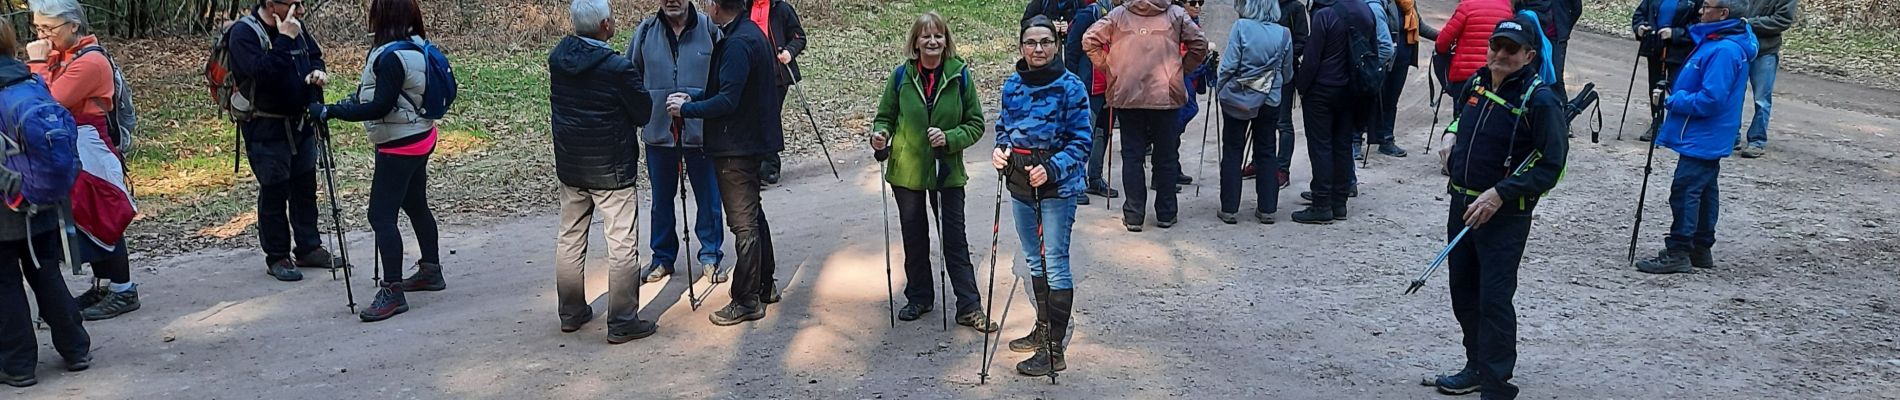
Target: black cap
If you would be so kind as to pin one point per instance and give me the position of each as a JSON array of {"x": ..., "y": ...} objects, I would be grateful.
[{"x": 1519, "y": 29}]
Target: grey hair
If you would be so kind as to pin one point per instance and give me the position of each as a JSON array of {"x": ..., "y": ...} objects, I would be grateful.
[
  {"x": 67, "y": 10},
  {"x": 1739, "y": 8},
  {"x": 587, "y": 15},
  {"x": 1265, "y": 11}
]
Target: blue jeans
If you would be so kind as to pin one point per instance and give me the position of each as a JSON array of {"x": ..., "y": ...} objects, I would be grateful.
[
  {"x": 1694, "y": 202},
  {"x": 1761, "y": 76},
  {"x": 1058, "y": 220},
  {"x": 664, "y": 171}
]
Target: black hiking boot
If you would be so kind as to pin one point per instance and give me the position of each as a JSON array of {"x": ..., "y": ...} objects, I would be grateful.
[
  {"x": 913, "y": 311},
  {"x": 1105, "y": 192},
  {"x": 389, "y": 302},
  {"x": 1321, "y": 215},
  {"x": 737, "y": 312},
  {"x": 1167, "y": 223},
  {"x": 1392, "y": 150},
  {"x": 1082, "y": 200},
  {"x": 84, "y": 362},
  {"x": 1339, "y": 213},
  {"x": 318, "y": 258},
  {"x": 1667, "y": 262},
  {"x": 1264, "y": 217},
  {"x": 1463, "y": 382},
  {"x": 284, "y": 270},
  {"x": 112, "y": 305},
  {"x": 1050, "y": 358},
  {"x": 978, "y": 320},
  {"x": 631, "y": 331},
  {"x": 22, "y": 380},
  {"x": 572, "y": 319},
  {"x": 428, "y": 278},
  {"x": 1702, "y": 257},
  {"x": 1029, "y": 343},
  {"x": 1229, "y": 218},
  {"x": 1184, "y": 179},
  {"x": 91, "y": 296}
]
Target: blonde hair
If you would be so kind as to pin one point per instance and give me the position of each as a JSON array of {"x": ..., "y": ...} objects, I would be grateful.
[
  {"x": 9, "y": 43},
  {"x": 930, "y": 20}
]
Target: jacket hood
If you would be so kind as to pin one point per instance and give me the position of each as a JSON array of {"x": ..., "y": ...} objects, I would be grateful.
[
  {"x": 12, "y": 71},
  {"x": 1147, "y": 8},
  {"x": 575, "y": 56},
  {"x": 1733, "y": 30}
]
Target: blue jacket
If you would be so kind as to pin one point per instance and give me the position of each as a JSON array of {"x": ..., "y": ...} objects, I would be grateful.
[
  {"x": 1705, "y": 104},
  {"x": 741, "y": 101},
  {"x": 1197, "y": 82},
  {"x": 1078, "y": 61},
  {"x": 1050, "y": 116}
]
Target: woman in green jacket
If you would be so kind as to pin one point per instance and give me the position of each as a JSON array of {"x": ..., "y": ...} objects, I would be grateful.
[{"x": 928, "y": 114}]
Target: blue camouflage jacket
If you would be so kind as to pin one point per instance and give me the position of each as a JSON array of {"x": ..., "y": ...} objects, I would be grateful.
[{"x": 1052, "y": 118}]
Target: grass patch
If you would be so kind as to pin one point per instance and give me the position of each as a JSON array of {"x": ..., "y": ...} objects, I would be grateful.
[{"x": 1847, "y": 52}]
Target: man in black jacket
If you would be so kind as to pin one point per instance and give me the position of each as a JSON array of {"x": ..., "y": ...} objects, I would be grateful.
[
  {"x": 599, "y": 103},
  {"x": 740, "y": 137},
  {"x": 281, "y": 71},
  {"x": 1331, "y": 109},
  {"x": 1508, "y": 148},
  {"x": 1662, "y": 33},
  {"x": 1293, "y": 17},
  {"x": 785, "y": 35}
]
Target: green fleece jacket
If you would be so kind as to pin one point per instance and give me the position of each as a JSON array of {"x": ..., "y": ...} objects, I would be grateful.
[{"x": 902, "y": 114}]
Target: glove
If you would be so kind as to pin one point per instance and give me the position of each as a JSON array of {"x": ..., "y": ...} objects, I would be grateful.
[
  {"x": 319, "y": 112},
  {"x": 1666, "y": 33}
]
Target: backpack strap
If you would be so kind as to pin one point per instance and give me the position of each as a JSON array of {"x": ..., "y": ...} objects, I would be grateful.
[{"x": 257, "y": 27}]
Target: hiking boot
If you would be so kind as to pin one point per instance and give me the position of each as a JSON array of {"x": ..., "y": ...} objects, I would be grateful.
[
  {"x": 655, "y": 272},
  {"x": 91, "y": 296},
  {"x": 1050, "y": 359},
  {"x": 389, "y": 302},
  {"x": 1308, "y": 195},
  {"x": 1463, "y": 382},
  {"x": 22, "y": 380},
  {"x": 1105, "y": 192},
  {"x": 1702, "y": 257},
  {"x": 1166, "y": 223},
  {"x": 1339, "y": 213},
  {"x": 428, "y": 278},
  {"x": 1392, "y": 150},
  {"x": 112, "y": 305},
  {"x": 1185, "y": 180},
  {"x": 318, "y": 258},
  {"x": 1229, "y": 218},
  {"x": 629, "y": 332},
  {"x": 84, "y": 362},
  {"x": 1314, "y": 215},
  {"x": 977, "y": 320},
  {"x": 1264, "y": 217},
  {"x": 913, "y": 311},
  {"x": 770, "y": 178},
  {"x": 1754, "y": 151},
  {"x": 769, "y": 295},
  {"x": 1045, "y": 362},
  {"x": 283, "y": 270},
  {"x": 718, "y": 275},
  {"x": 1285, "y": 177},
  {"x": 1667, "y": 262},
  {"x": 1029, "y": 343},
  {"x": 1247, "y": 172},
  {"x": 1082, "y": 200},
  {"x": 736, "y": 312},
  {"x": 572, "y": 319}
]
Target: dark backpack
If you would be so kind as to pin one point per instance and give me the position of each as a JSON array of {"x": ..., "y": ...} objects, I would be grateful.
[
  {"x": 438, "y": 94},
  {"x": 122, "y": 118},
  {"x": 38, "y": 143},
  {"x": 1365, "y": 73}
]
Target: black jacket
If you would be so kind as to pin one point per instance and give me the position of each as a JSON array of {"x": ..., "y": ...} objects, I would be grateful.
[
  {"x": 1559, "y": 17},
  {"x": 598, "y": 105},
  {"x": 787, "y": 34},
  {"x": 275, "y": 77},
  {"x": 1055, "y": 10},
  {"x": 1492, "y": 141},
  {"x": 741, "y": 102},
  {"x": 1293, "y": 17},
  {"x": 1680, "y": 44}
]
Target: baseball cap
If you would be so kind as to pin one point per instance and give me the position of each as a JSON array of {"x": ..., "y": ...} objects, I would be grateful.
[{"x": 1519, "y": 29}]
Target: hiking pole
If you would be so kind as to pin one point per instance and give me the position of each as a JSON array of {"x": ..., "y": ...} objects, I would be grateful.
[
  {"x": 884, "y": 198},
  {"x": 996, "y": 231},
  {"x": 1636, "y": 229},
  {"x": 814, "y": 121},
  {"x": 1201, "y": 170},
  {"x": 686, "y": 231},
  {"x": 336, "y": 216},
  {"x": 943, "y": 234},
  {"x": 1042, "y": 302},
  {"x": 1628, "y": 94},
  {"x": 1431, "y": 135},
  {"x": 1427, "y": 273}
]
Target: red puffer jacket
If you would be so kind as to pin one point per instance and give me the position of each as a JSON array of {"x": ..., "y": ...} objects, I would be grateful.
[{"x": 1470, "y": 30}]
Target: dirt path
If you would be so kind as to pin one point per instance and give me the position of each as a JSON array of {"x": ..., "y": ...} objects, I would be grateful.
[{"x": 1804, "y": 305}]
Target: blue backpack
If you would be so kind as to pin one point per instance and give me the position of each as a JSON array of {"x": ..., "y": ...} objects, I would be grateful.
[
  {"x": 38, "y": 143},
  {"x": 439, "y": 93}
]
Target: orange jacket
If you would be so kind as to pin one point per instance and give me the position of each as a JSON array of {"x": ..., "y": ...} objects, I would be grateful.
[{"x": 83, "y": 85}]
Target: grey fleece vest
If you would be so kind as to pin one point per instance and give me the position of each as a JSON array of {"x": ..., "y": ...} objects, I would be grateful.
[
  {"x": 666, "y": 74},
  {"x": 403, "y": 121}
]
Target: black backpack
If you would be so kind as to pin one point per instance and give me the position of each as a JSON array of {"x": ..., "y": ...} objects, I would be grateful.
[{"x": 1365, "y": 73}]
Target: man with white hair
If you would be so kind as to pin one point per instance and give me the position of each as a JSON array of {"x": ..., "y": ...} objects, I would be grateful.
[{"x": 598, "y": 104}]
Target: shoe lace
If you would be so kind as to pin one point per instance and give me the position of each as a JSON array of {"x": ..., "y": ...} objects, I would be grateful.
[{"x": 383, "y": 299}]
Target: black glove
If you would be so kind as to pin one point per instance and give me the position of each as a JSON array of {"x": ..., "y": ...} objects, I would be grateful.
[{"x": 319, "y": 113}]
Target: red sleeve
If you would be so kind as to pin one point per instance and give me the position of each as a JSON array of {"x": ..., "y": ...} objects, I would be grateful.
[{"x": 1453, "y": 27}]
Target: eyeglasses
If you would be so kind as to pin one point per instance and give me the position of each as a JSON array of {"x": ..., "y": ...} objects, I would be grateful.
[
  {"x": 1195, "y": 3},
  {"x": 48, "y": 30},
  {"x": 1040, "y": 43}
]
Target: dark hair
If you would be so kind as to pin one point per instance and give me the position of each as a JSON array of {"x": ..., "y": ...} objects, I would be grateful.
[
  {"x": 393, "y": 20},
  {"x": 9, "y": 42},
  {"x": 733, "y": 5}
]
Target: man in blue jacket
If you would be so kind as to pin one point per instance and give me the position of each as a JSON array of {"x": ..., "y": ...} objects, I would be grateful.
[
  {"x": 1703, "y": 116},
  {"x": 740, "y": 139}
]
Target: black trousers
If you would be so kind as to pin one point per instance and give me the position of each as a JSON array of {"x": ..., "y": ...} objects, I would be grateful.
[
  {"x": 401, "y": 183},
  {"x": 1483, "y": 271},
  {"x": 1142, "y": 129},
  {"x": 771, "y": 164},
  {"x": 1331, "y": 119},
  {"x": 19, "y": 347},
  {"x": 914, "y": 214},
  {"x": 284, "y": 159},
  {"x": 1234, "y": 140},
  {"x": 751, "y": 234}
]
